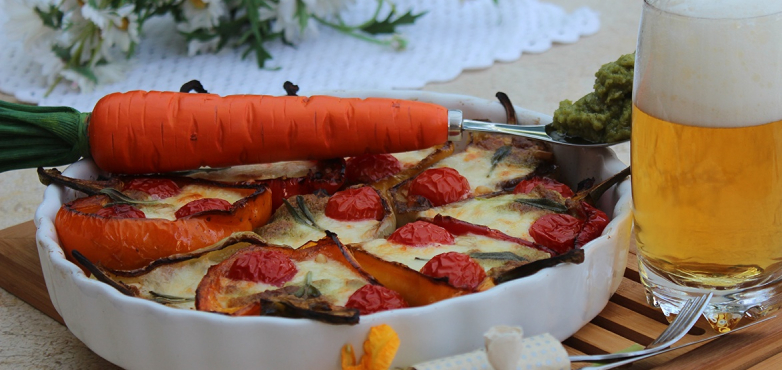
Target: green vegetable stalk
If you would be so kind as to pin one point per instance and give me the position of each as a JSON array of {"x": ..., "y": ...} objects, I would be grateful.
[{"x": 32, "y": 136}]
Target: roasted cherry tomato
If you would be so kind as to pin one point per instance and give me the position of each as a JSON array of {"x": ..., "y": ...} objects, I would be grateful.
[
  {"x": 420, "y": 234},
  {"x": 201, "y": 205},
  {"x": 264, "y": 266},
  {"x": 329, "y": 175},
  {"x": 527, "y": 186},
  {"x": 121, "y": 211},
  {"x": 461, "y": 270},
  {"x": 375, "y": 298},
  {"x": 91, "y": 204},
  {"x": 594, "y": 225},
  {"x": 440, "y": 186},
  {"x": 369, "y": 168},
  {"x": 355, "y": 204},
  {"x": 557, "y": 232},
  {"x": 156, "y": 188}
]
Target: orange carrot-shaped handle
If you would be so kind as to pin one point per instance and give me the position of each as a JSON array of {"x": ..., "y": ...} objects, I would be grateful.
[{"x": 144, "y": 132}]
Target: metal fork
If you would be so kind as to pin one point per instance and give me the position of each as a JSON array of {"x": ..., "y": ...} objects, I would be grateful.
[
  {"x": 687, "y": 317},
  {"x": 664, "y": 350}
]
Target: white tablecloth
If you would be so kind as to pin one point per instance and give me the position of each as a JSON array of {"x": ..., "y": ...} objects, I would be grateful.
[{"x": 453, "y": 36}]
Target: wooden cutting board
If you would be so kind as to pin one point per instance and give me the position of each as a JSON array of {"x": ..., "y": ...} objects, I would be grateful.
[
  {"x": 20, "y": 268},
  {"x": 626, "y": 321}
]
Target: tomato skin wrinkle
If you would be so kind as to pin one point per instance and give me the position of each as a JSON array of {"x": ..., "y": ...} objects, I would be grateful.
[
  {"x": 596, "y": 222},
  {"x": 156, "y": 188},
  {"x": 420, "y": 234},
  {"x": 202, "y": 205},
  {"x": 440, "y": 186},
  {"x": 556, "y": 231},
  {"x": 526, "y": 186},
  {"x": 375, "y": 298},
  {"x": 120, "y": 211},
  {"x": 264, "y": 266},
  {"x": 355, "y": 204},
  {"x": 460, "y": 270},
  {"x": 369, "y": 168}
]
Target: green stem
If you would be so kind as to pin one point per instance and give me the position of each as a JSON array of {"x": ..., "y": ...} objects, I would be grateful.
[
  {"x": 54, "y": 84},
  {"x": 41, "y": 136},
  {"x": 351, "y": 31}
]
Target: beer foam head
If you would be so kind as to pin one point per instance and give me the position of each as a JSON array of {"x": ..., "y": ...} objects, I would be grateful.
[{"x": 715, "y": 63}]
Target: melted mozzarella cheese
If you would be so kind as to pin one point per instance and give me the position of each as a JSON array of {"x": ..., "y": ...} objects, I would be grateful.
[
  {"x": 166, "y": 208},
  {"x": 493, "y": 212},
  {"x": 474, "y": 163},
  {"x": 348, "y": 231},
  {"x": 179, "y": 279},
  {"x": 417, "y": 257},
  {"x": 334, "y": 280},
  {"x": 410, "y": 159}
]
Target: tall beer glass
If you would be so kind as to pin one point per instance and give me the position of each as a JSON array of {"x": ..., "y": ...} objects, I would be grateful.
[{"x": 707, "y": 155}]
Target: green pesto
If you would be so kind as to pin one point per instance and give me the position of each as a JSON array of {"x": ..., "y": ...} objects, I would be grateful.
[{"x": 602, "y": 116}]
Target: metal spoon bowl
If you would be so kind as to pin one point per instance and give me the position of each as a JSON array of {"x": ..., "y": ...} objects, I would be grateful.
[{"x": 458, "y": 125}]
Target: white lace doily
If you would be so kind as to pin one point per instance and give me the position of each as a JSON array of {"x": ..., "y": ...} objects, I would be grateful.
[{"x": 451, "y": 37}]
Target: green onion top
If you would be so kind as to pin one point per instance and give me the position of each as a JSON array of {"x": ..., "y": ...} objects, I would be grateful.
[{"x": 32, "y": 136}]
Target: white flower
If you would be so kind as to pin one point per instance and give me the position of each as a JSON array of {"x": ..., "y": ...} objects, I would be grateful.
[
  {"x": 201, "y": 14},
  {"x": 79, "y": 35},
  {"x": 119, "y": 27},
  {"x": 78, "y": 80},
  {"x": 51, "y": 65},
  {"x": 122, "y": 31},
  {"x": 104, "y": 74},
  {"x": 100, "y": 17},
  {"x": 196, "y": 46},
  {"x": 285, "y": 18},
  {"x": 25, "y": 25}
]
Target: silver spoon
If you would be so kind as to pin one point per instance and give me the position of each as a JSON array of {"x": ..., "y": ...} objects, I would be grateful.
[{"x": 457, "y": 125}]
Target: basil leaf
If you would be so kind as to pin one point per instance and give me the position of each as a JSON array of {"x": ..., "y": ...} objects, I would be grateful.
[
  {"x": 502, "y": 256},
  {"x": 120, "y": 197},
  {"x": 544, "y": 203},
  {"x": 498, "y": 156}
]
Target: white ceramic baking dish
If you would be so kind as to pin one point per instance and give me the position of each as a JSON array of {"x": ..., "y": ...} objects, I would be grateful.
[{"x": 138, "y": 334}]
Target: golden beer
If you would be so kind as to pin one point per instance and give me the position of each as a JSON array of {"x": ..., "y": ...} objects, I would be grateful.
[
  {"x": 706, "y": 152},
  {"x": 708, "y": 201}
]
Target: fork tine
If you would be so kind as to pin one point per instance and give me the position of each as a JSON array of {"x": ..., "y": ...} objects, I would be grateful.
[{"x": 687, "y": 317}]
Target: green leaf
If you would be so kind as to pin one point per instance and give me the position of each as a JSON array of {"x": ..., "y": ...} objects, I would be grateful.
[
  {"x": 86, "y": 72},
  {"x": 302, "y": 15},
  {"x": 307, "y": 290},
  {"x": 256, "y": 26},
  {"x": 498, "y": 156},
  {"x": 62, "y": 52},
  {"x": 544, "y": 203},
  {"x": 165, "y": 298},
  {"x": 51, "y": 18},
  {"x": 389, "y": 24},
  {"x": 120, "y": 197},
  {"x": 303, "y": 207},
  {"x": 502, "y": 256},
  {"x": 298, "y": 216}
]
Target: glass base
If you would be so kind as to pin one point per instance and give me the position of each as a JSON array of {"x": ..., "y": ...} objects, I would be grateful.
[{"x": 726, "y": 308}]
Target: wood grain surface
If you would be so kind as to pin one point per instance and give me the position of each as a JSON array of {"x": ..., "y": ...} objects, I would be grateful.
[{"x": 627, "y": 320}]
